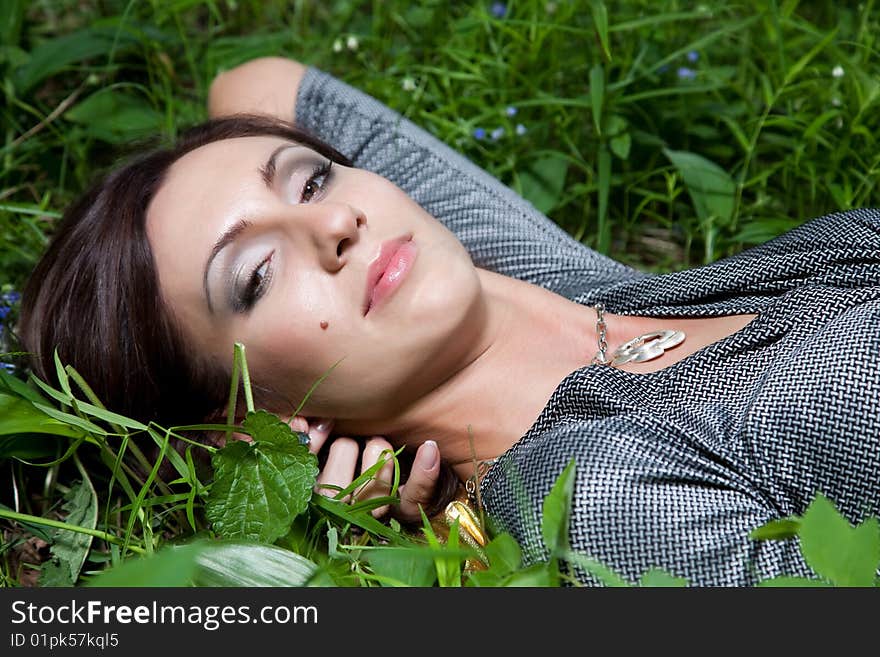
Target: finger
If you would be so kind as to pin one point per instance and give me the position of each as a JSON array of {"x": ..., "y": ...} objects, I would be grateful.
[
  {"x": 242, "y": 436},
  {"x": 340, "y": 466},
  {"x": 298, "y": 423},
  {"x": 421, "y": 487},
  {"x": 377, "y": 448},
  {"x": 319, "y": 430}
]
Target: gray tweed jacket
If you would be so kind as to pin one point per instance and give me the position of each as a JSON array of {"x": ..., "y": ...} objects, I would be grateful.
[{"x": 673, "y": 468}]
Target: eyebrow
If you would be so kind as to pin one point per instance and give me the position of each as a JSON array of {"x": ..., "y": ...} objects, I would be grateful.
[
  {"x": 267, "y": 173},
  {"x": 225, "y": 239}
]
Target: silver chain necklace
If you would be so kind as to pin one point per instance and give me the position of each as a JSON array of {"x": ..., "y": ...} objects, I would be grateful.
[{"x": 638, "y": 350}]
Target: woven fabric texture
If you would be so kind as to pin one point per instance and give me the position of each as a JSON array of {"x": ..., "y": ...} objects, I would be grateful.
[{"x": 674, "y": 467}]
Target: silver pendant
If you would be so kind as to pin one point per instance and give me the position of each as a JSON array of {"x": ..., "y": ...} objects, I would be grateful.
[{"x": 648, "y": 346}]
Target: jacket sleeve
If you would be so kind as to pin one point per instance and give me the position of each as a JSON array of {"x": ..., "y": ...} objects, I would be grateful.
[
  {"x": 502, "y": 231},
  {"x": 645, "y": 496},
  {"x": 854, "y": 230}
]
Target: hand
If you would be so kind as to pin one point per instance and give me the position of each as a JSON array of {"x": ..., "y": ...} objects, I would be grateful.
[{"x": 342, "y": 459}]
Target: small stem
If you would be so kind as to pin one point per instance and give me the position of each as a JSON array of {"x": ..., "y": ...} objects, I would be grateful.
[
  {"x": 245, "y": 378},
  {"x": 57, "y": 524},
  {"x": 233, "y": 394}
]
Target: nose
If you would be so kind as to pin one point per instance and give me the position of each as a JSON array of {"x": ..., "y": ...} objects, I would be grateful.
[{"x": 334, "y": 228}]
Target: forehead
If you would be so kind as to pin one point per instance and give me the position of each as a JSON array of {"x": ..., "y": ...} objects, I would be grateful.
[{"x": 231, "y": 166}]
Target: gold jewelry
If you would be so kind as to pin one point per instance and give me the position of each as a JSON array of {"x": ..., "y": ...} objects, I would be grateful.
[
  {"x": 638, "y": 350},
  {"x": 470, "y": 528}
]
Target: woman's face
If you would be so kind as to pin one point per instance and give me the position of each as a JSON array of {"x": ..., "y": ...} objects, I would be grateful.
[{"x": 256, "y": 241}]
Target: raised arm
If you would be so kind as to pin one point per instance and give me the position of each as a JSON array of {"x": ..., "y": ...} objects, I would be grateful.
[
  {"x": 502, "y": 231},
  {"x": 268, "y": 85}
]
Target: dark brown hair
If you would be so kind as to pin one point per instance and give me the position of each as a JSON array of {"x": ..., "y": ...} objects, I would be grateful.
[{"x": 94, "y": 295}]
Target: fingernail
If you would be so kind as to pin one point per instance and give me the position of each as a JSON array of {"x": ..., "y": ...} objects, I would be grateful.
[
  {"x": 324, "y": 424},
  {"x": 321, "y": 427},
  {"x": 429, "y": 455}
]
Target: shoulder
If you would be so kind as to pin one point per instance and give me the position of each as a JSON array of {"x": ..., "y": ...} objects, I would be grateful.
[{"x": 645, "y": 494}]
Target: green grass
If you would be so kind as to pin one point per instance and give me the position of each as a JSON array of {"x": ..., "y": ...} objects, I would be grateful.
[{"x": 665, "y": 134}]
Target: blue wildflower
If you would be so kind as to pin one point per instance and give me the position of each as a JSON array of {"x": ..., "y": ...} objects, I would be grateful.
[
  {"x": 693, "y": 56},
  {"x": 685, "y": 73},
  {"x": 520, "y": 129},
  {"x": 12, "y": 297},
  {"x": 499, "y": 9},
  {"x": 497, "y": 134},
  {"x": 4, "y": 311},
  {"x": 479, "y": 133},
  {"x": 510, "y": 111},
  {"x": 9, "y": 367}
]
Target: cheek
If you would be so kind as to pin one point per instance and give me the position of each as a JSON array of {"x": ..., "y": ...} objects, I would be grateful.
[{"x": 293, "y": 348}]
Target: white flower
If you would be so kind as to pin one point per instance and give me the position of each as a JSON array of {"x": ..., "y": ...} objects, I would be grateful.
[
  {"x": 837, "y": 71},
  {"x": 351, "y": 43},
  {"x": 337, "y": 45},
  {"x": 836, "y": 102},
  {"x": 408, "y": 84}
]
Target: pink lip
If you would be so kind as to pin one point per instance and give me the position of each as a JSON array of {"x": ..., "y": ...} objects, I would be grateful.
[{"x": 387, "y": 270}]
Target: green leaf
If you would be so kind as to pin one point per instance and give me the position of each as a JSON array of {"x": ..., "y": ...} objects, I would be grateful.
[
  {"x": 72, "y": 420},
  {"x": 362, "y": 519},
  {"x": 658, "y": 578},
  {"x": 16, "y": 386},
  {"x": 56, "y": 54},
  {"x": 259, "y": 489},
  {"x": 172, "y": 566},
  {"x": 63, "y": 379},
  {"x": 485, "y": 578},
  {"x": 250, "y": 564},
  {"x": 19, "y": 416},
  {"x": 620, "y": 145},
  {"x": 845, "y": 555},
  {"x": 799, "y": 65},
  {"x": 620, "y": 140},
  {"x": 600, "y": 21},
  {"x": 542, "y": 183},
  {"x": 116, "y": 117},
  {"x": 781, "y": 528},
  {"x": 595, "y": 568},
  {"x": 557, "y": 504},
  {"x": 504, "y": 553},
  {"x": 69, "y": 549},
  {"x": 109, "y": 416},
  {"x": 539, "y": 574},
  {"x": 710, "y": 187},
  {"x": 412, "y": 566},
  {"x": 11, "y": 14},
  {"x": 597, "y": 95}
]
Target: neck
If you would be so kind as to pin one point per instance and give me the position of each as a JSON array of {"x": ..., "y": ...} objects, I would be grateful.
[{"x": 532, "y": 339}]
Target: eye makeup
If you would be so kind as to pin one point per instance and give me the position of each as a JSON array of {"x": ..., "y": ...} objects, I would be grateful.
[{"x": 247, "y": 283}]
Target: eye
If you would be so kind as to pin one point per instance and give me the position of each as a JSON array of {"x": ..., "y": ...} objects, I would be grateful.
[
  {"x": 256, "y": 286},
  {"x": 316, "y": 182}
]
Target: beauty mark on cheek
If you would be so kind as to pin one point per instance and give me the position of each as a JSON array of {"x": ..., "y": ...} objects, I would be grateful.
[{"x": 324, "y": 324}]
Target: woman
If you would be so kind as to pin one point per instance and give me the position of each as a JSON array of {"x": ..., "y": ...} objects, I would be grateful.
[{"x": 493, "y": 327}]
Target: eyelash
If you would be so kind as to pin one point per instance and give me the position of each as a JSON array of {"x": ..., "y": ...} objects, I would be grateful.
[
  {"x": 320, "y": 171},
  {"x": 255, "y": 288}
]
